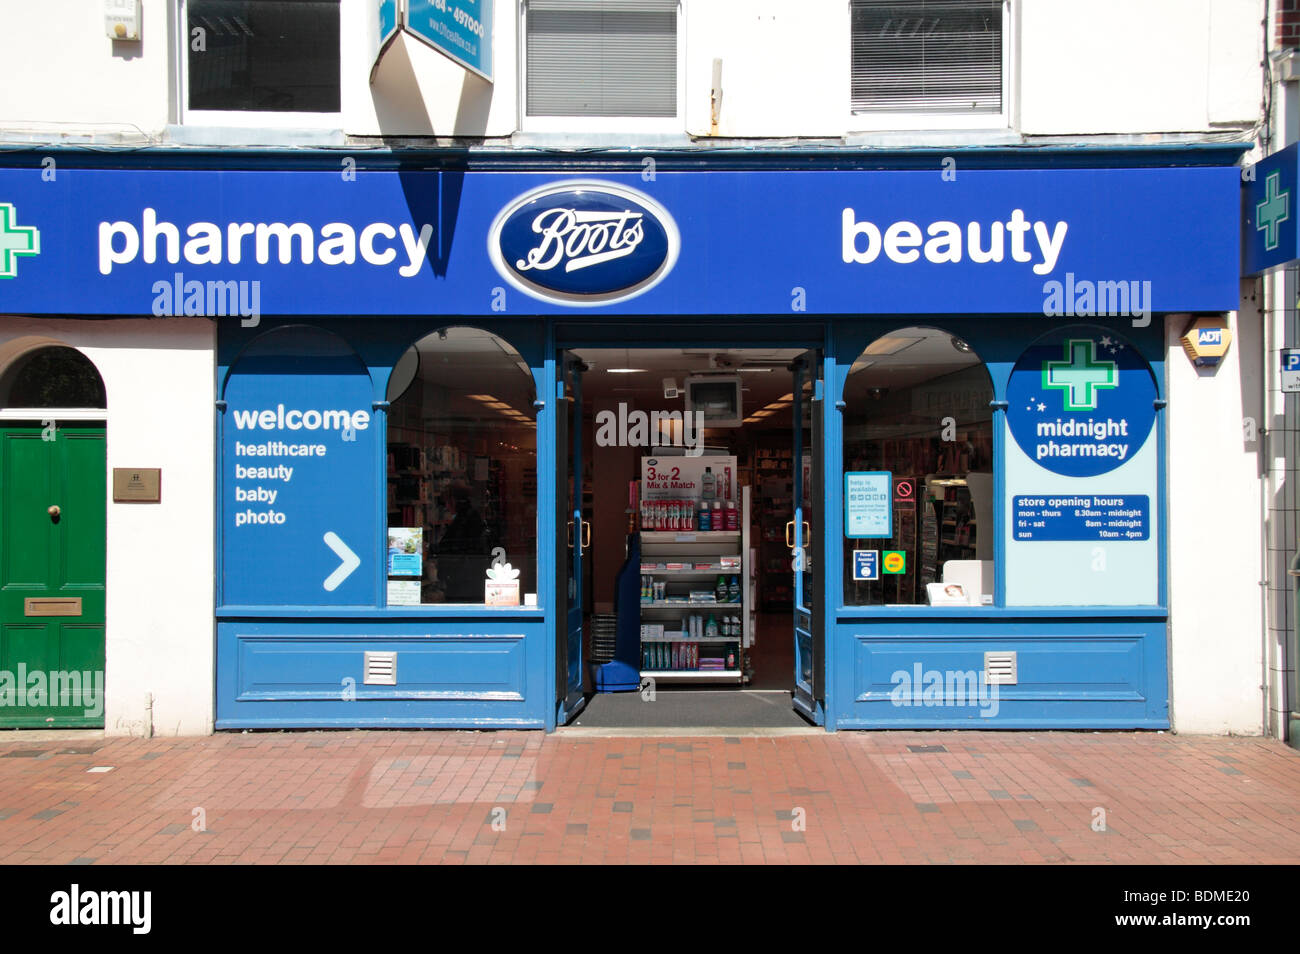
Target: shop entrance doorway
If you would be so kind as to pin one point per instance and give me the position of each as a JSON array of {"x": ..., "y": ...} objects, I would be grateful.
[{"x": 690, "y": 505}]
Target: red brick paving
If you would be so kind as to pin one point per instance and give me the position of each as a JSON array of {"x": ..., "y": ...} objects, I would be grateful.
[{"x": 405, "y": 797}]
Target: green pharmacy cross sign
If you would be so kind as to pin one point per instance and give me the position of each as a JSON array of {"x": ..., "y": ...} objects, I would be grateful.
[
  {"x": 15, "y": 240},
  {"x": 1273, "y": 211},
  {"x": 1268, "y": 224},
  {"x": 1080, "y": 376}
]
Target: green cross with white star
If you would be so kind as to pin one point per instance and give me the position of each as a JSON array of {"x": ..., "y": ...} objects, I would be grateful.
[
  {"x": 1080, "y": 376},
  {"x": 15, "y": 240},
  {"x": 1270, "y": 213}
]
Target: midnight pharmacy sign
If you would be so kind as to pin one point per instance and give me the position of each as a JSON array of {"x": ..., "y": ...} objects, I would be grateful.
[{"x": 1081, "y": 404}]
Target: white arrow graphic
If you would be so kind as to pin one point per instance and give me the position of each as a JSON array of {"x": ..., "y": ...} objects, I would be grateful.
[{"x": 350, "y": 561}]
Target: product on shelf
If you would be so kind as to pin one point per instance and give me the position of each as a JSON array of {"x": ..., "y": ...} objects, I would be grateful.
[{"x": 708, "y": 484}]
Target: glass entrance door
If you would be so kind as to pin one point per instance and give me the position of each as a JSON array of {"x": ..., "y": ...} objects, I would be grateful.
[
  {"x": 804, "y": 534},
  {"x": 572, "y": 541}
]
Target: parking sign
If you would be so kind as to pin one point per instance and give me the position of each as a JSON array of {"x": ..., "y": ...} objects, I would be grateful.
[{"x": 1290, "y": 370}]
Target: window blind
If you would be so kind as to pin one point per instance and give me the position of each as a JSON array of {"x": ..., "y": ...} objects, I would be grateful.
[
  {"x": 601, "y": 58},
  {"x": 927, "y": 55}
]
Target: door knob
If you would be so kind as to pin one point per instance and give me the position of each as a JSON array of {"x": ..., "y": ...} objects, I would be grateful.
[{"x": 53, "y": 510}]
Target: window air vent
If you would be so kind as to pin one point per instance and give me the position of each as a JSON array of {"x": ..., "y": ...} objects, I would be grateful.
[
  {"x": 1000, "y": 669},
  {"x": 381, "y": 669}
]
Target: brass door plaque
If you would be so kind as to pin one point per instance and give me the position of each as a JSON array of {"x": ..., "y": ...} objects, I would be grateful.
[
  {"x": 52, "y": 606},
  {"x": 139, "y": 484}
]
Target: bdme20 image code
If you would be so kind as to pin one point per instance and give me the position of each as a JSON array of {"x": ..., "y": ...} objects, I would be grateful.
[{"x": 1160, "y": 897}]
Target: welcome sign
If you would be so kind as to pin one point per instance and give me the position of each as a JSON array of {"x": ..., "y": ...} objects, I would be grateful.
[{"x": 298, "y": 482}]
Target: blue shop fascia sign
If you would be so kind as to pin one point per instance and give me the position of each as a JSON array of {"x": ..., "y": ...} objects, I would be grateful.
[{"x": 793, "y": 243}]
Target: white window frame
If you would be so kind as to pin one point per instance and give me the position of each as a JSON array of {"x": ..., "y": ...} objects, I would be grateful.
[
  {"x": 54, "y": 414},
  {"x": 883, "y": 120},
  {"x": 247, "y": 118},
  {"x": 600, "y": 124}
]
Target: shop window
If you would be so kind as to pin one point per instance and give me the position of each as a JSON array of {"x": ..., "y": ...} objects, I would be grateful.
[
  {"x": 462, "y": 473},
  {"x": 927, "y": 55},
  {"x": 601, "y": 58},
  {"x": 52, "y": 377},
  {"x": 918, "y": 428},
  {"x": 263, "y": 55}
]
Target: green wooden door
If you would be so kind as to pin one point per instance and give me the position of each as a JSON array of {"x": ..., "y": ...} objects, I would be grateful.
[{"x": 51, "y": 646}]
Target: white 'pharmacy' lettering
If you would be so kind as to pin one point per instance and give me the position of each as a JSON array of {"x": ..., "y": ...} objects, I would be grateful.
[{"x": 208, "y": 243}]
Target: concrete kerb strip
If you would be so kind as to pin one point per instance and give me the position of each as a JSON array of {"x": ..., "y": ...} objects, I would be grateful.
[{"x": 50, "y": 735}]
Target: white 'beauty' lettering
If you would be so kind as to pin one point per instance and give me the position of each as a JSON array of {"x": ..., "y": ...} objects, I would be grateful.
[{"x": 901, "y": 241}]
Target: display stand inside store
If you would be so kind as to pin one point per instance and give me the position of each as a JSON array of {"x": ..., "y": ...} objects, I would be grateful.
[{"x": 684, "y": 575}]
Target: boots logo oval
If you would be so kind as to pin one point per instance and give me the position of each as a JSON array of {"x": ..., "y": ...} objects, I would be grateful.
[{"x": 583, "y": 243}]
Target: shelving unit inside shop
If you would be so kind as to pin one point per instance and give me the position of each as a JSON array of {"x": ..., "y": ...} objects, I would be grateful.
[{"x": 676, "y": 564}]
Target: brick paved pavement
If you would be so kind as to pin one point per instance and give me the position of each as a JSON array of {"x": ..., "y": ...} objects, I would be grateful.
[{"x": 864, "y": 797}]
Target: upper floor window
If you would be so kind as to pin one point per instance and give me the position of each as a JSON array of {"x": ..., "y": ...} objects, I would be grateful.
[
  {"x": 277, "y": 56},
  {"x": 927, "y": 55},
  {"x": 600, "y": 59}
]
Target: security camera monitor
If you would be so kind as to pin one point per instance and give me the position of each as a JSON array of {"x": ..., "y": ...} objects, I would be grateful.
[{"x": 717, "y": 397}]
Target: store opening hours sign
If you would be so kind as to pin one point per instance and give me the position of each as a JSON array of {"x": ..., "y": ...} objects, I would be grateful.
[{"x": 1082, "y": 517}]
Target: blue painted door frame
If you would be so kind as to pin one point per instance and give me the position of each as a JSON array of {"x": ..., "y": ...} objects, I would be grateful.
[
  {"x": 808, "y": 530},
  {"x": 570, "y": 601}
]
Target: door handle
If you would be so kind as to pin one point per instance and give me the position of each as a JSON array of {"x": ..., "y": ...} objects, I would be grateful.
[
  {"x": 807, "y": 533},
  {"x": 586, "y": 534},
  {"x": 789, "y": 534},
  {"x": 568, "y": 535},
  {"x": 54, "y": 511}
]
